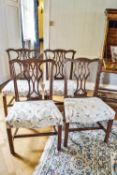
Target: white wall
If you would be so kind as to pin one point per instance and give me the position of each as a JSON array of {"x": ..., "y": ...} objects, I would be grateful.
[
  {"x": 9, "y": 33},
  {"x": 46, "y": 23},
  {"x": 79, "y": 25}
]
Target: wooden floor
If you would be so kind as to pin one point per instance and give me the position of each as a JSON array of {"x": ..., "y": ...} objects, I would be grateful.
[{"x": 29, "y": 151}]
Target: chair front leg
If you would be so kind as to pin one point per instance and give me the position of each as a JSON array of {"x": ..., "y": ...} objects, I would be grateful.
[
  {"x": 10, "y": 140},
  {"x": 5, "y": 105},
  {"x": 108, "y": 130},
  {"x": 59, "y": 137},
  {"x": 66, "y": 131}
]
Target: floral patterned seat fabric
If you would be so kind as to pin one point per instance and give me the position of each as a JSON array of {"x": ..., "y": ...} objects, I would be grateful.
[
  {"x": 34, "y": 114},
  {"x": 58, "y": 87},
  {"x": 23, "y": 88},
  {"x": 87, "y": 110}
]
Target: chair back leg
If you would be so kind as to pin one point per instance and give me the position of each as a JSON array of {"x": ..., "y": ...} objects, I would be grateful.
[
  {"x": 108, "y": 130},
  {"x": 59, "y": 137},
  {"x": 66, "y": 128}
]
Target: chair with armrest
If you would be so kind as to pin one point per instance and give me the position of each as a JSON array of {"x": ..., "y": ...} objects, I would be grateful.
[
  {"x": 38, "y": 110},
  {"x": 81, "y": 108},
  {"x": 19, "y": 54}
]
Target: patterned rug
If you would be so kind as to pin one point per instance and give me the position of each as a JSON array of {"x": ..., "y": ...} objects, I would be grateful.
[{"x": 87, "y": 154}]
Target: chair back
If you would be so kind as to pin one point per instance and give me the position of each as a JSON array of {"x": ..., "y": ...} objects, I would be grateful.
[
  {"x": 22, "y": 54},
  {"x": 58, "y": 55},
  {"x": 33, "y": 73},
  {"x": 85, "y": 76}
]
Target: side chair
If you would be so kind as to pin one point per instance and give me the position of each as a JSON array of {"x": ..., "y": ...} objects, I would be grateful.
[
  {"x": 59, "y": 55},
  {"x": 80, "y": 107},
  {"x": 38, "y": 110},
  {"x": 17, "y": 54}
]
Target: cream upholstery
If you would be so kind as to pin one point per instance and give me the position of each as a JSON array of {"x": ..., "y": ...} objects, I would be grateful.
[
  {"x": 58, "y": 87},
  {"x": 87, "y": 110},
  {"x": 34, "y": 114},
  {"x": 22, "y": 88}
]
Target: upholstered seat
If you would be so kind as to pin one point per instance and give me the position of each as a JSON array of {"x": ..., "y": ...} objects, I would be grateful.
[
  {"x": 87, "y": 110},
  {"x": 22, "y": 88},
  {"x": 34, "y": 114},
  {"x": 58, "y": 87}
]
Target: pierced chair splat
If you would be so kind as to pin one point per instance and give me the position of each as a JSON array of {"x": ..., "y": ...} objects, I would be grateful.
[
  {"x": 34, "y": 112},
  {"x": 81, "y": 108},
  {"x": 59, "y": 55}
]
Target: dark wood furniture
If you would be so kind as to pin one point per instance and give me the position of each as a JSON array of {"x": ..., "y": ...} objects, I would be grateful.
[
  {"x": 32, "y": 70},
  {"x": 22, "y": 53},
  {"x": 110, "y": 40},
  {"x": 19, "y": 54},
  {"x": 79, "y": 105},
  {"x": 108, "y": 94}
]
